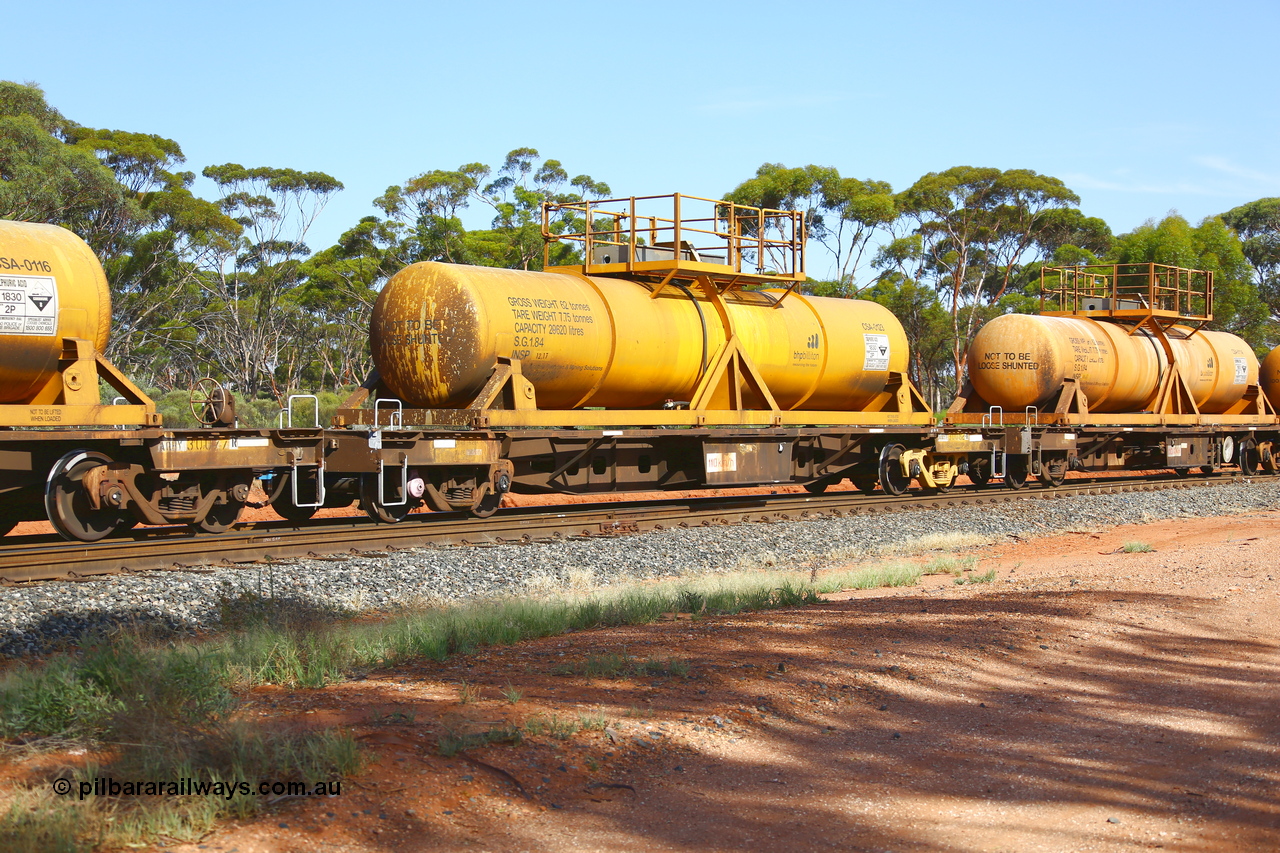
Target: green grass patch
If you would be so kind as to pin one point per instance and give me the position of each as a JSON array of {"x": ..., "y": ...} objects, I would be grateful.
[
  {"x": 1137, "y": 548},
  {"x": 560, "y": 728},
  {"x": 949, "y": 565},
  {"x": 594, "y": 721},
  {"x": 871, "y": 577},
  {"x": 167, "y": 713},
  {"x": 451, "y": 743},
  {"x": 666, "y": 666},
  {"x": 988, "y": 576},
  {"x": 949, "y": 541},
  {"x": 623, "y": 665},
  {"x": 603, "y": 665}
]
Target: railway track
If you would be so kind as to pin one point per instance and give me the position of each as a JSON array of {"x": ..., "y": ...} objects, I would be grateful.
[{"x": 40, "y": 558}]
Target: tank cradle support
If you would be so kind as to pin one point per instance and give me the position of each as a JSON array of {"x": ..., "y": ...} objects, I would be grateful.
[
  {"x": 69, "y": 397},
  {"x": 732, "y": 388},
  {"x": 1172, "y": 406}
]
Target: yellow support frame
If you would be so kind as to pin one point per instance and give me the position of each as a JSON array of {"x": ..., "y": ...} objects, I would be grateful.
[
  {"x": 730, "y": 394},
  {"x": 70, "y": 396}
]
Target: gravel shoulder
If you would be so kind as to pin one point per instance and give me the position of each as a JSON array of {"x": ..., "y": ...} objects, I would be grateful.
[
  {"x": 37, "y": 617},
  {"x": 1087, "y": 699}
]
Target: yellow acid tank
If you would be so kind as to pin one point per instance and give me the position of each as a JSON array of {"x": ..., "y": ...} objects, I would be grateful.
[
  {"x": 51, "y": 287},
  {"x": 1269, "y": 377},
  {"x": 437, "y": 330},
  {"x": 1020, "y": 360}
]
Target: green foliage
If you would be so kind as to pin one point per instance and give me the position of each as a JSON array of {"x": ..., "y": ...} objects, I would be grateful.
[
  {"x": 663, "y": 666},
  {"x": 1068, "y": 237},
  {"x": 873, "y": 577},
  {"x": 1257, "y": 224},
  {"x": 221, "y": 756},
  {"x": 119, "y": 191},
  {"x": 988, "y": 576},
  {"x": 39, "y": 821},
  {"x": 117, "y": 684},
  {"x": 229, "y": 287},
  {"x": 57, "y": 699},
  {"x": 168, "y": 713},
  {"x": 844, "y": 214},
  {"x": 424, "y": 214},
  {"x": 623, "y": 665},
  {"x": 1211, "y": 245},
  {"x": 262, "y": 413},
  {"x": 46, "y": 177},
  {"x": 949, "y": 564},
  {"x": 450, "y": 743},
  {"x": 247, "y": 309}
]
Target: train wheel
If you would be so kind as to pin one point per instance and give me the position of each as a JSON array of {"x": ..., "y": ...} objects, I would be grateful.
[
  {"x": 864, "y": 478},
  {"x": 490, "y": 496},
  {"x": 371, "y": 502},
  {"x": 1267, "y": 458},
  {"x": 1250, "y": 459},
  {"x": 486, "y": 503},
  {"x": 1054, "y": 469},
  {"x": 67, "y": 503},
  {"x": 221, "y": 517},
  {"x": 980, "y": 470},
  {"x": 283, "y": 503},
  {"x": 892, "y": 480},
  {"x": 1015, "y": 471},
  {"x": 817, "y": 487},
  {"x": 297, "y": 514}
]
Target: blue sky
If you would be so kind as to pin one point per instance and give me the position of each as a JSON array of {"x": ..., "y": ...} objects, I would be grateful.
[{"x": 1140, "y": 107}]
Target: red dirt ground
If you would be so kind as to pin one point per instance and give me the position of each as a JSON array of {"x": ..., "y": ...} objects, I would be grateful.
[{"x": 1089, "y": 699}]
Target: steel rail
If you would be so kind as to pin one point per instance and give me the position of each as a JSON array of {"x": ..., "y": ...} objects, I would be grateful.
[{"x": 38, "y": 558}]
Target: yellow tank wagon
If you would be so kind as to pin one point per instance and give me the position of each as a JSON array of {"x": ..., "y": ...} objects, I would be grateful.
[
  {"x": 1116, "y": 372},
  {"x": 679, "y": 353}
]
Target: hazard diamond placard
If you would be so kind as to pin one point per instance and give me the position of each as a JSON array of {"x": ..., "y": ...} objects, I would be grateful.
[{"x": 28, "y": 305}]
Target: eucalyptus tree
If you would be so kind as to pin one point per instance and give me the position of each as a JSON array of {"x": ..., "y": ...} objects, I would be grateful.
[
  {"x": 1211, "y": 245},
  {"x": 844, "y": 215},
  {"x": 1258, "y": 226},
  {"x": 341, "y": 285},
  {"x": 44, "y": 176},
  {"x": 516, "y": 194},
  {"x": 974, "y": 231},
  {"x": 249, "y": 318},
  {"x": 426, "y": 212},
  {"x": 928, "y": 327},
  {"x": 120, "y": 191}
]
